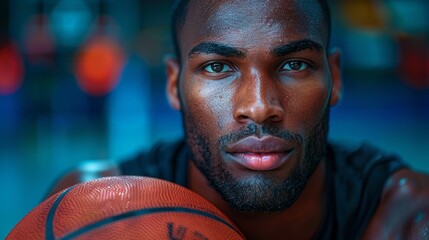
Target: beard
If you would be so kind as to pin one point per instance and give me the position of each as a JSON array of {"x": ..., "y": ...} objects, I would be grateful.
[{"x": 261, "y": 192}]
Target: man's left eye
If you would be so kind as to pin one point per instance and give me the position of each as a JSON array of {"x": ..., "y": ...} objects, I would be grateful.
[
  {"x": 217, "y": 68},
  {"x": 295, "y": 66}
]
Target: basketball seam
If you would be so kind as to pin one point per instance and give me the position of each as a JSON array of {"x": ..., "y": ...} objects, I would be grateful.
[
  {"x": 146, "y": 211},
  {"x": 49, "y": 226}
]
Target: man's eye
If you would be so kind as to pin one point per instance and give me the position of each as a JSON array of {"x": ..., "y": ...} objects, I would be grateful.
[
  {"x": 217, "y": 68},
  {"x": 295, "y": 66}
]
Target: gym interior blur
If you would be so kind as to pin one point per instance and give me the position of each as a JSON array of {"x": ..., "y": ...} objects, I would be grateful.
[{"x": 84, "y": 80}]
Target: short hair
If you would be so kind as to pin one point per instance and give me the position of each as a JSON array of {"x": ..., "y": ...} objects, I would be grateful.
[{"x": 180, "y": 9}]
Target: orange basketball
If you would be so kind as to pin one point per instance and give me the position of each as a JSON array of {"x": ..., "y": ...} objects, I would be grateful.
[{"x": 125, "y": 207}]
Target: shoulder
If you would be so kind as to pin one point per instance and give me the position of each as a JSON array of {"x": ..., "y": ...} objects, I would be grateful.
[
  {"x": 404, "y": 208},
  {"x": 359, "y": 156},
  {"x": 359, "y": 175},
  {"x": 362, "y": 166},
  {"x": 159, "y": 158}
]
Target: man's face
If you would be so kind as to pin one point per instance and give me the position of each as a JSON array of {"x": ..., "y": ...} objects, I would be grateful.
[{"x": 255, "y": 88}]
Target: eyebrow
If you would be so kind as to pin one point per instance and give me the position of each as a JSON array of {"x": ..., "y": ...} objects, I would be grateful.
[
  {"x": 216, "y": 48},
  {"x": 296, "y": 46}
]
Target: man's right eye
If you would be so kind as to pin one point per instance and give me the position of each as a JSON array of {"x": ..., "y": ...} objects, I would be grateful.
[{"x": 217, "y": 67}]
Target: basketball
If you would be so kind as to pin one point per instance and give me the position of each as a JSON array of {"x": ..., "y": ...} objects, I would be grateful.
[{"x": 125, "y": 207}]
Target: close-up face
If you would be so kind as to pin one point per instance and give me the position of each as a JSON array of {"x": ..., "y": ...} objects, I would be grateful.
[{"x": 254, "y": 85}]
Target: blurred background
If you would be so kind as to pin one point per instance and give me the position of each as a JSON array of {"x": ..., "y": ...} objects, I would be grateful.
[{"x": 84, "y": 79}]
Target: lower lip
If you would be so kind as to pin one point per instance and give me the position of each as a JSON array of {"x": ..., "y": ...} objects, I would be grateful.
[{"x": 261, "y": 161}]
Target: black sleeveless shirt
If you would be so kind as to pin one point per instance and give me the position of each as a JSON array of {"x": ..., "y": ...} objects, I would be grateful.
[{"x": 355, "y": 177}]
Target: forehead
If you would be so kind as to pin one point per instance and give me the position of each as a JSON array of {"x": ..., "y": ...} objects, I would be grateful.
[{"x": 248, "y": 22}]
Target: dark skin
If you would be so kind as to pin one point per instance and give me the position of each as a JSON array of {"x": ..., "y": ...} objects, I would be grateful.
[
  {"x": 262, "y": 87},
  {"x": 230, "y": 75},
  {"x": 266, "y": 63},
  {"x": 403, "y": 209}
]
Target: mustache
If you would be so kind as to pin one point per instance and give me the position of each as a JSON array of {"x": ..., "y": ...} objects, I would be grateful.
[{"x": 259, "y": 131}]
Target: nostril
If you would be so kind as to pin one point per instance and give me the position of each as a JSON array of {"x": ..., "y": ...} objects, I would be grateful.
[
  {"x": 276, "y": 118},
  {"x": 242, "y": 117}
]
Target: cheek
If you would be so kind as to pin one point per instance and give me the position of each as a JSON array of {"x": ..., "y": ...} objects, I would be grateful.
[
  {"x": 307, "y": 104},
  {"x": 208, "y": 103}
]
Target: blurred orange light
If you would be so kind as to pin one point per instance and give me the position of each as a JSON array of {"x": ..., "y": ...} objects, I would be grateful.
[
  {"x": 364, "y": 13},
  {"x": 11, "y": 69},
  {"x": 99, "y": 66}
]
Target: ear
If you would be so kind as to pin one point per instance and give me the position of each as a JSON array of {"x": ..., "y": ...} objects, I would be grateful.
[
  {"x": 173, "y": 71},
  {"x": 334, "y": 60}
]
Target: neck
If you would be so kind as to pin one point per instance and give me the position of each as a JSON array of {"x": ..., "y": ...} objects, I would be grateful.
[{"x": 301, "y": 221}]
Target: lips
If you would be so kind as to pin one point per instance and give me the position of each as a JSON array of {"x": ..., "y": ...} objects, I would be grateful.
[{"x": 260, "y": 154}]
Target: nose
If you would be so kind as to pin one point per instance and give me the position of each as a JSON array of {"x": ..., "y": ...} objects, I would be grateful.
[{"x": 258, "y": 99}]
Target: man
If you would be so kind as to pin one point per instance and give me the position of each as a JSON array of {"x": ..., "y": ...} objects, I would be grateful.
[{"x": 254, "y": 81}]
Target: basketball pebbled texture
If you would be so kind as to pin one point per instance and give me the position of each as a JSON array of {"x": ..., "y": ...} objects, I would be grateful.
[{"x": 125, "y": 207}]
